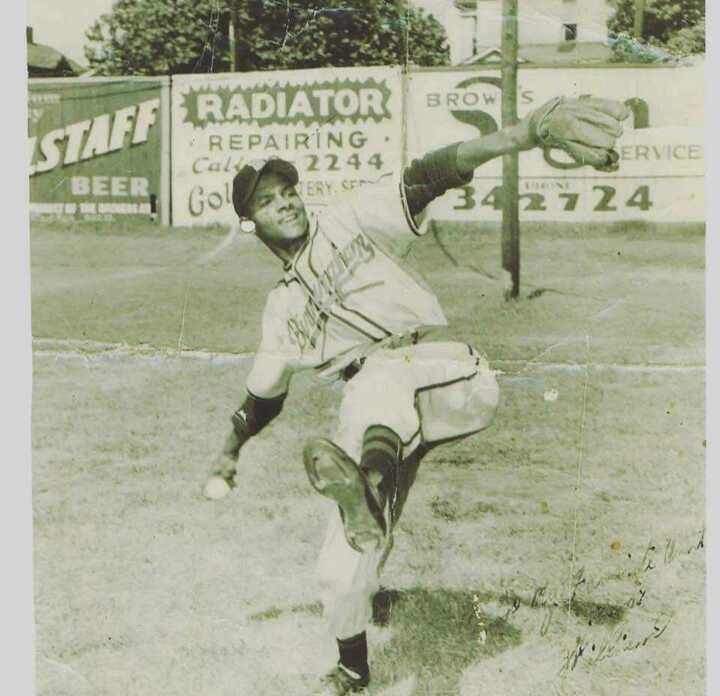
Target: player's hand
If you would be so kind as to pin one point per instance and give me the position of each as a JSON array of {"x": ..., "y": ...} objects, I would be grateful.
[
  {"x": 586, "y": 128},
  {"x": 221, "y": 478}
]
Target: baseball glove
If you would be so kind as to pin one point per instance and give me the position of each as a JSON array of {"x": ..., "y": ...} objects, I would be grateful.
[{"x": 585, "y": 128}]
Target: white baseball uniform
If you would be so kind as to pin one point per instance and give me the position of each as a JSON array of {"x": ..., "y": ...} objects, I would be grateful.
[{"x": 347, "y": 297}]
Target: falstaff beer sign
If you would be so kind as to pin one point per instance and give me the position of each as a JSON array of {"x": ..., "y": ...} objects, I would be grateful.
[{"x": 96, "y": 148}]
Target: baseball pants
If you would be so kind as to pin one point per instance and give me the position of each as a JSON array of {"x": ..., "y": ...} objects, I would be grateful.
[{"x": 427, "y": 394}]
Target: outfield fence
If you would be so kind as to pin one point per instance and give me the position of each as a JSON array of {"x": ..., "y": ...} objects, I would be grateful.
[{"x": 168, "y": 147}]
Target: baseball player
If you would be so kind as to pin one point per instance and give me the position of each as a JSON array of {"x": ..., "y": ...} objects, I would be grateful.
[{"x": 346, "y": 307}]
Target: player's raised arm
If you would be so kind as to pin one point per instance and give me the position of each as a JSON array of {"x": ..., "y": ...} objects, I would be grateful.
[{"x": 585, "y": 128}]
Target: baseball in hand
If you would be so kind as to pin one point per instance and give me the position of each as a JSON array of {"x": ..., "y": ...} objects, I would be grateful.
[{"x": 216, "y": 487}]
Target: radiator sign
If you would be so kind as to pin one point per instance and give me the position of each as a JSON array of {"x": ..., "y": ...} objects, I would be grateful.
[
  {"x": 267, "y": 105},
  {"x": 338, "y": 127}
]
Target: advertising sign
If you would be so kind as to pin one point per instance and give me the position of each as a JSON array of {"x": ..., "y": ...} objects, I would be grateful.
[
  {"x": 96, "y": 147},
  {"x": 661, "y": 153},
  {"x": 339, "y": 128}
]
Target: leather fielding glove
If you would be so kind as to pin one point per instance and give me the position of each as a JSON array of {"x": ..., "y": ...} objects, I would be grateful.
[{"x": 586, "y": 128}]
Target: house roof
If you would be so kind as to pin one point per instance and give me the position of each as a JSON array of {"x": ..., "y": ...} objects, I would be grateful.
[
  {"x": 565, "y": 52},
  {"x": 41, "y": 58},
  {"x": 77, "y": 68}
]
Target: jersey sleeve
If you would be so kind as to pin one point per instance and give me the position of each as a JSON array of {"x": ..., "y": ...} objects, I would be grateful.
[
  {"x": 391, "y": 210},
  {"x": 429, "y": 176},
  {"x": 276, "y": 358},
  {"x": 380, "y": 210}
]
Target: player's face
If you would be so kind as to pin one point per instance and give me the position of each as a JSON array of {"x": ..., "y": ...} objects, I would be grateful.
[{"x": 278, "y": 211}]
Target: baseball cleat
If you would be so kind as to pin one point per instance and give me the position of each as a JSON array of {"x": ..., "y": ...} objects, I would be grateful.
[
  {"x": 335, "y": 475},
  {"x": 340, "y": 681}
]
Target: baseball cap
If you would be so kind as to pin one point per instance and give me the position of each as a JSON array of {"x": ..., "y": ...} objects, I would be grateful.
[{"x": 246, "y": 180}]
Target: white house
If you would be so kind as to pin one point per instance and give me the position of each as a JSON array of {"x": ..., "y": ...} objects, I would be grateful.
[{"x": 548, "y": 30}]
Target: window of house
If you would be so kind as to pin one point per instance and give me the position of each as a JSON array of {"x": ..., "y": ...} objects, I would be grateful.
[{"x": 570, "y": 32}]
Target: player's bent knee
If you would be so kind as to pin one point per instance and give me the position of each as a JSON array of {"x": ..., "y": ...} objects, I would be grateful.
[
  {"x": 489, "y": 389},
  {"x": 485, "y": 398},
  {"x": 459, "y": 408}
]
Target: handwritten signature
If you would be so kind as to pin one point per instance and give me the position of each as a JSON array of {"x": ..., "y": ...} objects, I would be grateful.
[
  {"x": 616, "y": 641},
  {"x": 613, "y": 644}
]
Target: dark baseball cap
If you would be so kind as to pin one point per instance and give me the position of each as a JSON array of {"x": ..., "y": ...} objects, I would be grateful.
[{"x": 246, "y": 180}]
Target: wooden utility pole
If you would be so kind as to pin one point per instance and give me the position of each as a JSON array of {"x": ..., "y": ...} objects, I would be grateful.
[
  {"x": 233, "y": 35},
  {"x": 639, "y": 19},
  {"x": 402, "y": 9},
  {"x": 510, "y": 213},
  {"x": 240, "y": 60}
]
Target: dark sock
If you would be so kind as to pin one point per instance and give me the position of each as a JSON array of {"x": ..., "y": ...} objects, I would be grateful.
[
  {"x": 380, "y": 453},
  {"x": 354, "y": 654}
]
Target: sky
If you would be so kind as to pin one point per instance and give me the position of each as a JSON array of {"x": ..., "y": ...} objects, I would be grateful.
[{"x": 62, "y": 23}]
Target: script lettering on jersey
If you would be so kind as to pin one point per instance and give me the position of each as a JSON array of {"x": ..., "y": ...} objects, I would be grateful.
[{"x": 329, "y": 289}]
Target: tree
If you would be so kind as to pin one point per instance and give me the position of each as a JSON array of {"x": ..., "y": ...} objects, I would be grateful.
[
  {"x": 671, "y": 29},
  {"x": 151, "y": 37},
  {"x": 159, "y": 37}
]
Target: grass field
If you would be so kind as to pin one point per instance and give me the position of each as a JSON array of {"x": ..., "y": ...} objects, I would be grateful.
[{"x": 143, "y": 588}]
